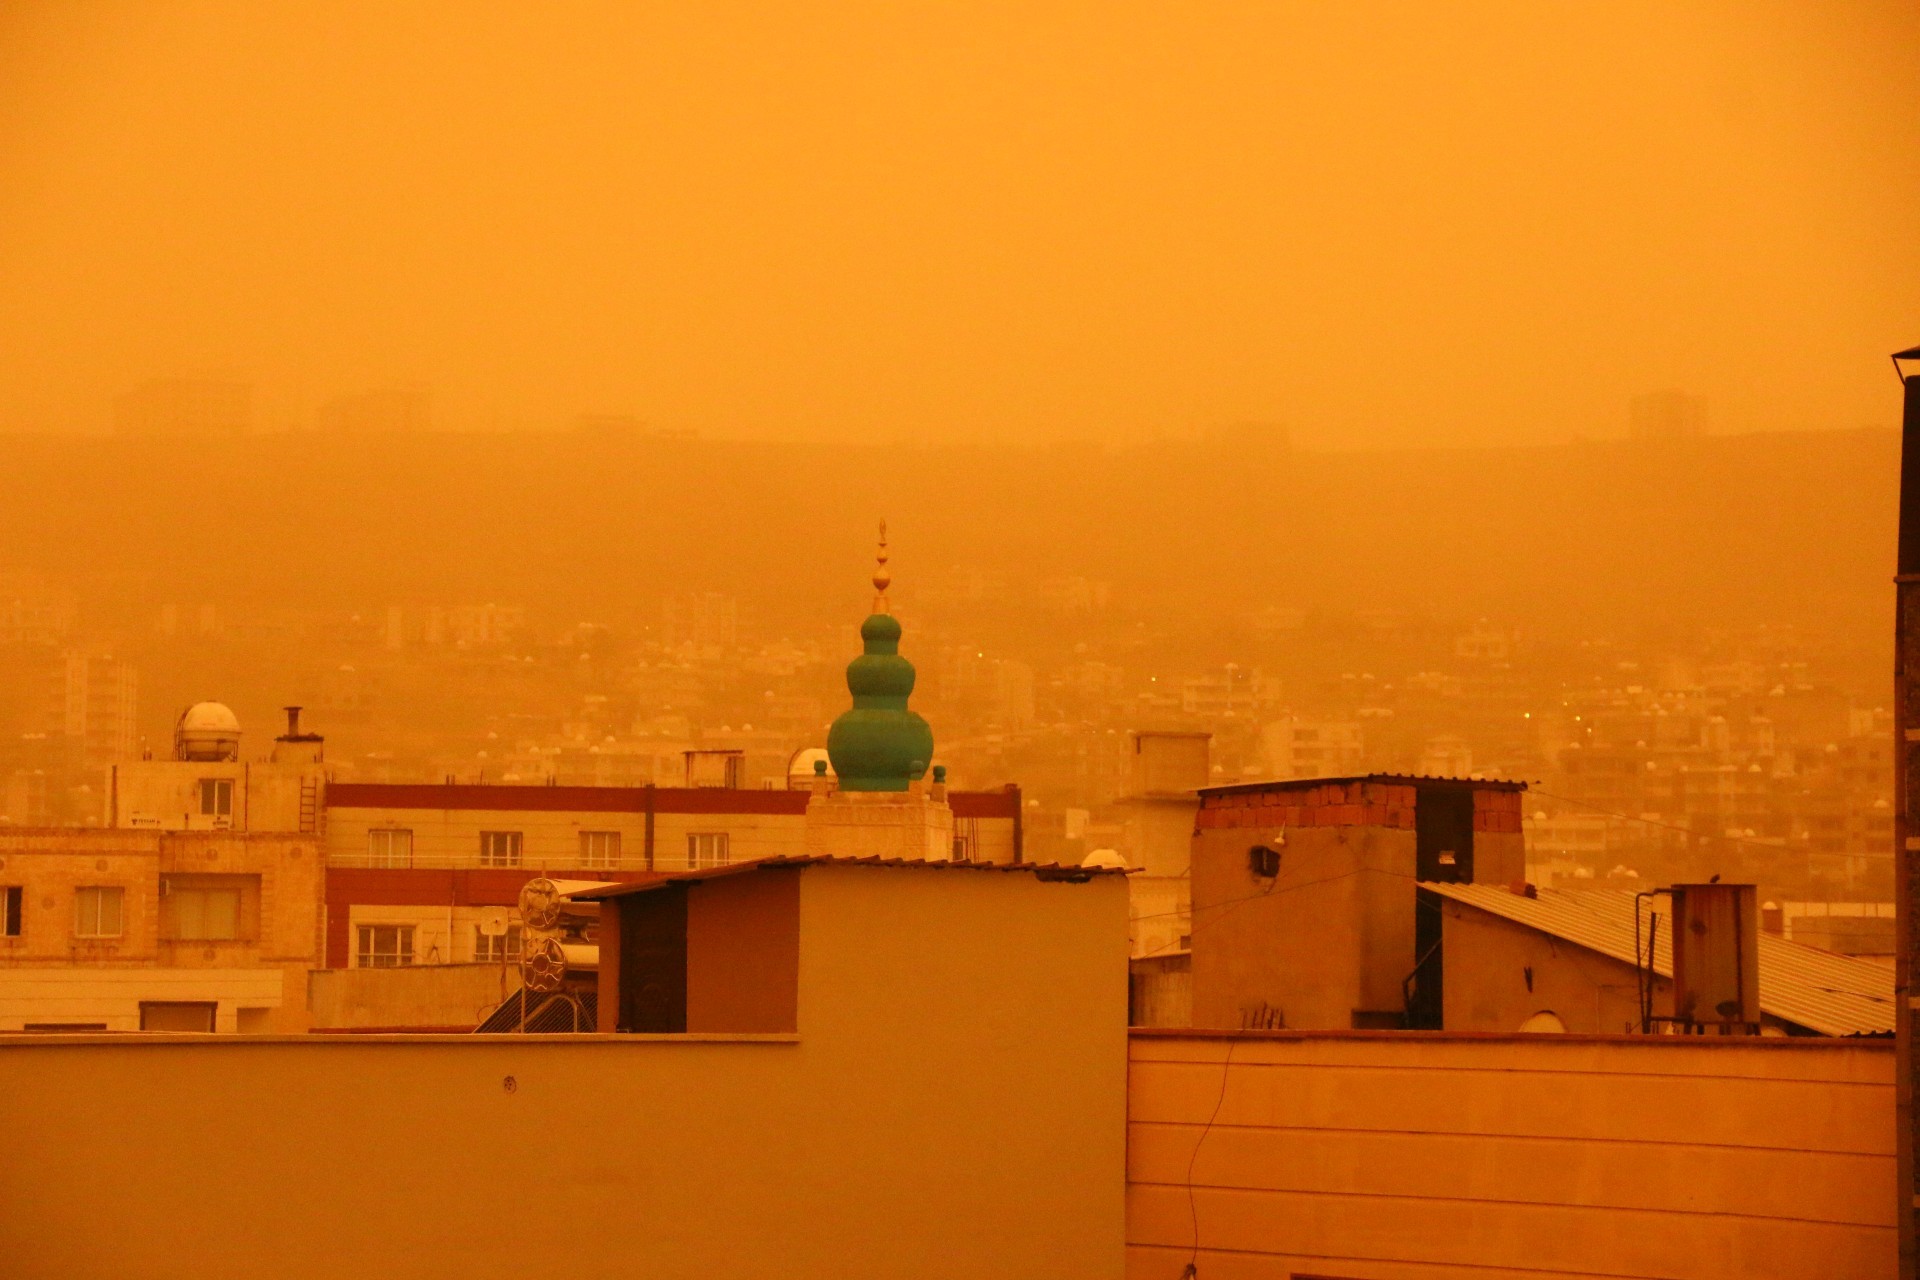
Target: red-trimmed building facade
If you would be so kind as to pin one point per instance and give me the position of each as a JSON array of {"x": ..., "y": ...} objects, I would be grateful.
[{"x": 418, "y": 874}]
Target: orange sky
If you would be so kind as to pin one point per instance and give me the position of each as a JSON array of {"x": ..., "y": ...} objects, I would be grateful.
[{"x": 1376, "y": 223}]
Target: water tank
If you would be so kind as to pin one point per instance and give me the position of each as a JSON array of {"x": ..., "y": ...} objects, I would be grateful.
[
  {"x": 1716, "y": 958},
  {"x": 206, "y": 731}
]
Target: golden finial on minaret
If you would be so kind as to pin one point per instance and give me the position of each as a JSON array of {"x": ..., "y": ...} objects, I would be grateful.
[{"x": 881, "y": 578}]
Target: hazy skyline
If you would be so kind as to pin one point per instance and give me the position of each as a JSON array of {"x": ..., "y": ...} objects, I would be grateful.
[{"x": 1375, "y": 224}]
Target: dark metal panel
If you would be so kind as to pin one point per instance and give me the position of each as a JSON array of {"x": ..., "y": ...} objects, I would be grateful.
[{"x": 653, "y": 961}]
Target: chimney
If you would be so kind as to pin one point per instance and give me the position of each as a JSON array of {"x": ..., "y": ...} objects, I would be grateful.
[
  {"x": 296, "y": 746},
  {"x": 1716, "y": 958}
]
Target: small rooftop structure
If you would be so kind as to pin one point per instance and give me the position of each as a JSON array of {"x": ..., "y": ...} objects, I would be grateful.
[
  {"x": 1830, "y": 994},
  {"x": 719, "y": 950}
]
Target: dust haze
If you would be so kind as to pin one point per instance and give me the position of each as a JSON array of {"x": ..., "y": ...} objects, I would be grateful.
[{"x": 1495, "y": 389}]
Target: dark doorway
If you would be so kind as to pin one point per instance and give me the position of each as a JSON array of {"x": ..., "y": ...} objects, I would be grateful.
[
  {"x": 653, "y": 961},
  {"x": 1443, "y": 834}
]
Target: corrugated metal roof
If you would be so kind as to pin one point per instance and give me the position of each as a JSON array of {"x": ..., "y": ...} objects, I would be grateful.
[
  {"x": 1391, "y": 779},
  {"x": 1832, "y": 994},
  {"x": 1040, "y": 870}
]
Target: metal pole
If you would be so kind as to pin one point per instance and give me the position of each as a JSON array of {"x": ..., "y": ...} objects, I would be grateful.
[{"x": 1906, "y": 810}]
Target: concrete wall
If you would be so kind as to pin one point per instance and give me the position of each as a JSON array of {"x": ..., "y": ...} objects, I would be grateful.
[
  {"x": 435, "y": 997},
  {"x": 1431, "y": 1156},
  {"x": 1329, "y": 942},
  {"x": 1329, "y": 937},
  {"x": 916, "y": 1126},
  {"x": 1489, "y": 962},
  {"x": 165, "y": 794}
]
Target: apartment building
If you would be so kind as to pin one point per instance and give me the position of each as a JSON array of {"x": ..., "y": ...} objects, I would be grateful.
[
  {"x": 413, "y": 869},
  {"x": 124, "y": 930}
]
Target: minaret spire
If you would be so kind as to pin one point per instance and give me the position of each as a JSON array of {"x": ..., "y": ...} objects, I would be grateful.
[{"x": 881, "y": 578}]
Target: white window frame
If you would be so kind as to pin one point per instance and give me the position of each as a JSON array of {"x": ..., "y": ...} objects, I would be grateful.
[
  {"x": 600, "y": 849},
  {"x": 90, "y": 913},
  {"x": 709, "y": 849},
  {"x": 501, "y": 848},
  {"x": 220, "y": 792},
  {"x": 368, "y": 955},
  {"x": 390, "y": 847}
]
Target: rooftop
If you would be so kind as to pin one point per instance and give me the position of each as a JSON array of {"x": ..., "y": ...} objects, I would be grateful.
[
  {"x": 1039, "y": 870},
  {"x": 1392, "y": 779},
  {"x": 1832, "y": 994}
]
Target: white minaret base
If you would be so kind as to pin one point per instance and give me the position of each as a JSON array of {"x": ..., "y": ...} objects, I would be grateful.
[{"x": 915, "y": 824}]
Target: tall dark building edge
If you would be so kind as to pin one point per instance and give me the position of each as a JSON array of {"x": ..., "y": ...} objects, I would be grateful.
[{"x": 1907, "y": 797}]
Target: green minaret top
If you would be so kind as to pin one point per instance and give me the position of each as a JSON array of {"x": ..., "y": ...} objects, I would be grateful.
[{"x": 880, "y": 745}]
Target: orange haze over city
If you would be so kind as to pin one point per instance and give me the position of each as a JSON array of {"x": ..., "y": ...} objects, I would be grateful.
[{"x": 1211, "y": 641}]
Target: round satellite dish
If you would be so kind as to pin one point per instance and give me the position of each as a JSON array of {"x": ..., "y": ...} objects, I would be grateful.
[
  {"x": 540, "y": 903},
  {"x": 1106, "y": 859},
  {"x": 1546, "y": 1021},
  {"x": 493, "y": 922},
  {"x": 207, "y": 731}
]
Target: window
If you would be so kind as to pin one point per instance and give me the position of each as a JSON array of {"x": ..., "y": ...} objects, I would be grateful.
[
  {"x": 12, "y": 902},
  {"x": 389, "y": 847},
  {"x": 96, "y": 911},
  {"x": 216, "y": 797},
  {"x": 599, "y": 848},
  {"x": 177, "y": 1015},
  {"x": 385, "y": 946},
  {"x": 498, "y": 948},
  {"x": 499, "y": 848},
  {"x": 708, "y": 849},
  {"x": 211, "y": 915}
]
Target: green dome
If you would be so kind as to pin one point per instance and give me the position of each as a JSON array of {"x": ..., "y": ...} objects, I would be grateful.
[{"x": 879, "y": 745}]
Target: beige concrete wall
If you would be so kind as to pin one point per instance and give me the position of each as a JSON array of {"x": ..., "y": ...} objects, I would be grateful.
[
  {"x": 440, "y": 996},
  {"x": 1330, "y": 935},
  {"x": 1488, "y": 964},
  {"x": 916, "y": 1126},
  {"x": 1423, "y": 1157},
  {"x": 165, "y": 794},
  {"x": 110, "y": 998}
]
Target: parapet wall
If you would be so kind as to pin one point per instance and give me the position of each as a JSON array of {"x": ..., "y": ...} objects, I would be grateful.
[{"x": 1414, "y": 1156}]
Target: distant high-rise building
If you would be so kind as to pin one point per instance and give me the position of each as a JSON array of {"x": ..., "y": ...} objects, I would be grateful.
[
  {"x": 1667, "y": 415},
  {"x": 184, "y": 407},
  {"x": 380, "y": 412},
  {"x": 98, "y": 704}
]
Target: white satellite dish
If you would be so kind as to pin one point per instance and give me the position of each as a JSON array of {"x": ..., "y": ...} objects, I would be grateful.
[{"x": 494, "y": 922}]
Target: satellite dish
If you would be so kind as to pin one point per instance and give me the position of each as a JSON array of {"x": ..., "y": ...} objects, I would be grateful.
[
  {"x": 543, "y": 966},
  {"x": 540, "y": 903},
  {"x": 493, "y": 922}
]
